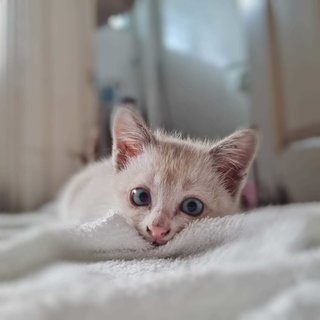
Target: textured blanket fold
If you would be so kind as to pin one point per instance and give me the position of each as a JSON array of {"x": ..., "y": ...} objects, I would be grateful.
[{"x": 260, "y": 265}]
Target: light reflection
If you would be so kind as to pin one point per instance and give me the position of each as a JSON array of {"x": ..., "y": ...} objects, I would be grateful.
[
  {"x": 248, "y": 5},
  {"x": 3, "y": 32},
  {"x": 119, "y": 21},
  {"x": 209, "y": 32}
]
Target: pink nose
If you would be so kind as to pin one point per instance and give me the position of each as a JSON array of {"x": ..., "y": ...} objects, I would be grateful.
[{"x": 157, "y": 233}]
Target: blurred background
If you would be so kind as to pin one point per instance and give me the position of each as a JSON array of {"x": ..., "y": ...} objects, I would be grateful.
[{"x": 203, "y": 67}]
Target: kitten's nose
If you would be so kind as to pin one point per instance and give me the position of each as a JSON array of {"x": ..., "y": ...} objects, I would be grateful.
[{"x": 157, "y": 233}]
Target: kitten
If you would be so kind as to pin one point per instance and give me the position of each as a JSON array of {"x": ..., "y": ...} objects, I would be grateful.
[{"x": 158, "y": 182}]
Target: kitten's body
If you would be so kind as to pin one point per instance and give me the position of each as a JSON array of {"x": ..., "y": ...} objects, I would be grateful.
[
  {"x": 171, "y": 171},
  {"x": 88, "y": 195}
]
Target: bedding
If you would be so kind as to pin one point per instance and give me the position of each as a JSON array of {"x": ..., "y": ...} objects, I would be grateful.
[{"x": 264, "y": 264}]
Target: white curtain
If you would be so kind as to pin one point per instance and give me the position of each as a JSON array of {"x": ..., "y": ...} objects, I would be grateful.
[{"x": 47, "y": 104}]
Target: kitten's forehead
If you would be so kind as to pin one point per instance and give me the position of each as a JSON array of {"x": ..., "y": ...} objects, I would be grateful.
[
  {"x": 174, "y": 168},
  {"x": 180, "y": 164}
]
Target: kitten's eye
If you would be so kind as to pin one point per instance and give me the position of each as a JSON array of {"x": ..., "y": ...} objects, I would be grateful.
[
  {"x": 140, "y": 197},
  {"x": 192, "y": 206}
]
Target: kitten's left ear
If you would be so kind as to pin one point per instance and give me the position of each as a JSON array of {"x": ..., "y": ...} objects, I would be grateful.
[
  {"x": 232, "y": 158},
  {"x": 130, "y": 136}
]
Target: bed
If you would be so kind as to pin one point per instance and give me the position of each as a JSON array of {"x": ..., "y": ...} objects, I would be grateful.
[{"x": 264, "y": 264}]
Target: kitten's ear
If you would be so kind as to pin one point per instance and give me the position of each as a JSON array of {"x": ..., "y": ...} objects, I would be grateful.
[
  {"x": 130, "y": 136},
  {"x": 232, "y": 158}
]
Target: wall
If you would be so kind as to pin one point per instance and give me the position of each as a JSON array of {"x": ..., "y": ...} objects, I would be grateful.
[
  {"x": 203, "y": 63},
  {"x": 189, "y": 61}
]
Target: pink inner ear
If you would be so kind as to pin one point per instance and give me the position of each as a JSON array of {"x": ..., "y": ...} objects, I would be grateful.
[
  {"x": 130, "y": 135},
  {"x": 232, "y": 158},
  {"x": 125, "y": 152},
  {"x": 231, "y": 174}
]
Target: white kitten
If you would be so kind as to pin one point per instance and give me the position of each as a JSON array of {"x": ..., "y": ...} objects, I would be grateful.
[{"x": 158, "y": 182}]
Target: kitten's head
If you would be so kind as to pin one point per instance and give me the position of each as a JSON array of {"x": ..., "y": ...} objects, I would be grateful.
[{"x": 168, "y": 182}]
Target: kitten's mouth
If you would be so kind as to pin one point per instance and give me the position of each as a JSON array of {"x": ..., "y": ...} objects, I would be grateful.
[
  {"x": 154, "y": 243},
  {"x": 159, "y": 243}
]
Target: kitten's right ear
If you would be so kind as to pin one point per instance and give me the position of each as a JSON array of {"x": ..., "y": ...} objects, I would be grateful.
[
  {"x": 130, "y": 136},
  {"x": 233, "y": 156}
]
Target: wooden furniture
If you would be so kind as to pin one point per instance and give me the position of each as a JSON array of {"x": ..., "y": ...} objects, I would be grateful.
[
  {"x": 47, "y": 104},
  {"x": 284, "y": 47}
]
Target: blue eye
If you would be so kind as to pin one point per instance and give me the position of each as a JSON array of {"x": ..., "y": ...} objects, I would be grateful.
[
  {"x": 192, "y": 207},
  {"x": 140, "y": 197}
]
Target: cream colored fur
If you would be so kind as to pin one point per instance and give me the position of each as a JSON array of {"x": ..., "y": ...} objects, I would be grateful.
[{"x": 171, "y": 168}]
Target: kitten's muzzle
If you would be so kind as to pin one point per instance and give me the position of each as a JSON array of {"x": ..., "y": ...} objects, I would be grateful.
[{"x": 158, "y": 233}]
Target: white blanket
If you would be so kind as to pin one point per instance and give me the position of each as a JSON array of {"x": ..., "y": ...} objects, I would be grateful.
[{"x": 261, "y": 265}]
